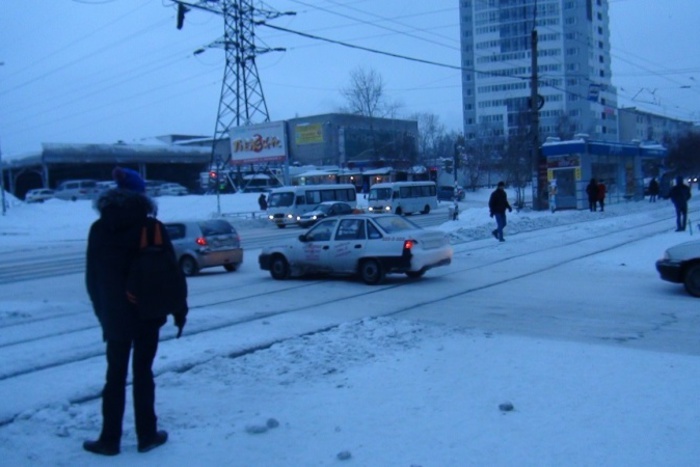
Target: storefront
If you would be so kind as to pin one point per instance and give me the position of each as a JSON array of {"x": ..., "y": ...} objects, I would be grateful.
[{"x": 572, "y": 164}]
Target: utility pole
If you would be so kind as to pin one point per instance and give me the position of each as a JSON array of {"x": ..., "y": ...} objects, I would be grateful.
[
  {"x": 2, "y": 176},
  {"x": 537, "y": 203},
  {"x": 2, "y": 182}
]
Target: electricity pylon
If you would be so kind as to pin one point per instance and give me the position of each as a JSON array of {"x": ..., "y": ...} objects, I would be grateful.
[{"x": 242, "y": 101}]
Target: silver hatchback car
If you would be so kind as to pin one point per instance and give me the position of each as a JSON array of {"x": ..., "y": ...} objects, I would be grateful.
[{"x": 205, "y": 244}]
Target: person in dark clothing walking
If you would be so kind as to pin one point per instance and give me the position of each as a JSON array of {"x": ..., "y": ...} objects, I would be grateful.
[
  {"x": 602, "y": 190},
  {"x": 498, "y": 203},
  {"x": 592, "y": 192},
  {"x": 262, "y": 202},
  {"x": 653, "y": 190},
  {"x": 679, "y": 195},
  {"x": 113, "y": 241}
]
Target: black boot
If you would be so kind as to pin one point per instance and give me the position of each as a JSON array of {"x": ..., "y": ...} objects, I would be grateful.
[
  {"x": 158, "y": 439},
  {"x": 101, "y": 447}
]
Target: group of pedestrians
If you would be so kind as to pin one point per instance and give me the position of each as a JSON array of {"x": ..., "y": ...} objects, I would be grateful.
[{"x": 596, "y": 191}]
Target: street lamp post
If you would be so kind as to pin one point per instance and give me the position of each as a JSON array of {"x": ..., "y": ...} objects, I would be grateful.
[{"x": 2, "y": 176}]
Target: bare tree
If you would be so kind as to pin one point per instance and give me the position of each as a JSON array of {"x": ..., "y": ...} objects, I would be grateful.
[
  {"x": 481, "y": 152},
  {"x": 429, "y": 131},
  {"x": 517, "y": 159},
  {"x": 365, "y": 95}
]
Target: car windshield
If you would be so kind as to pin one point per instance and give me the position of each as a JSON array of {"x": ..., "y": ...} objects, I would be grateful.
[
  {"x": 376, "y": 194},
  {"x": 393, "y": 224},
  {"x": 279, "y": 200},
  {"x": 324, "y": 208}
]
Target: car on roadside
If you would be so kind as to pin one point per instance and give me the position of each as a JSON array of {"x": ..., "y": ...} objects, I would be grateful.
[
  {"x": 680, "y": 264},
  {"x": 322, "y": 211},
  {"x": 74, "y": 190},
  {"x": 172, "y": 189},
  {"x": 39, "y": 195},
  {"x": 447, "y": 193},
  {"x": 201, "y": 244},
  {"x": 153, "y": 187},
  {"x": 364, "y": 245}
]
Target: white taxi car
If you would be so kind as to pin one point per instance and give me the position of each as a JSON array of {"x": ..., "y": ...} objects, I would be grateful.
[{"x": 369, "y": 246}]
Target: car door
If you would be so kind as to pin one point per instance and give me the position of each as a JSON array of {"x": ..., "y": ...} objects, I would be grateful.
[
  {"x": 348, "y": 245},
  {"x": 312, "y": 251}
]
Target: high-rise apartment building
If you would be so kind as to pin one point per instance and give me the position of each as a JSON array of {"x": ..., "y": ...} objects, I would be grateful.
[{"x": 573, "y": 53}]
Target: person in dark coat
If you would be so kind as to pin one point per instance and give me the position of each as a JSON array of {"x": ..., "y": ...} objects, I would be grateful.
[
  {"x": 653, "y": 190},
  {"x": 114, "y": 239},
  {"x": 592, "y": 192},
  {"x": 498, "y": 203},
  {"x": 262, "y": 202},
  {"x": 679, "y": 195}
]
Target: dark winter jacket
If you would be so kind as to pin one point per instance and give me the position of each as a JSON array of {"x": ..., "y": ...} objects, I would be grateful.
[
  {"x": 680, "y": 194},
  {"x": 498, "y": 202},
  {"x": 112, "y": 242},
  {"x": 592, "y": 190},
  {"x": 653, "y": 187}
]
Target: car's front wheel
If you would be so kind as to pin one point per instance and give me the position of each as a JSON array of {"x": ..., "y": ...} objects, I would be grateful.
[
  {"x": 692, "y": 280},
  {"x": 426, "y": 210},
  {"x": 279, "y": 268},
  {"x": 371, "y": 272},
  {"x": 189, "y": 266}
]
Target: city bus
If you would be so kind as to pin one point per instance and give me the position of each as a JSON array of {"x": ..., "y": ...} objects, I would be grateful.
[
  {"x": 284, "y": 204},
  {"x": 402, "y": 197}
]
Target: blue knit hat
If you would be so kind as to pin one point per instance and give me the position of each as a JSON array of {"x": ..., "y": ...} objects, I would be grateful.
[{"x": 128, "y": 179}]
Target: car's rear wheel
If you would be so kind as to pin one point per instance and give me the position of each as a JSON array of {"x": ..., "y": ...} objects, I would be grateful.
[
  {"x": 371, "y": 272},
  {"x": 230, "y": 267},
  {"x": 189, "y": 266},
  {"x": 281, "y": 226},
  {"x": 279, "y": 267},
  {"x": 399, "y": 211},
  {"x": 692, "y": 280},
  {"x": 426, "y": 210}
]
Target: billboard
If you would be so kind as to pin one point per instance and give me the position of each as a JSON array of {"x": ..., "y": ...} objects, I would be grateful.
[
  {"x": 308, "y": 133},
  {"x": 264, "y": 142}
]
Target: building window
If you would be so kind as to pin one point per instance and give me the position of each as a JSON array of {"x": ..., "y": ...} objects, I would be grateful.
[
  {"x": 600, "y": 16},
  {"x": 600, "y": 44},
  {"x": 601, "y": 59},
  {"x": 602, "y": 73},
  {"x": 600, "y": 30}
]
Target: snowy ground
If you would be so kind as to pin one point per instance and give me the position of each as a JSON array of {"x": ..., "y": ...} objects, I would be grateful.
[{"x": 386, "y": 392}]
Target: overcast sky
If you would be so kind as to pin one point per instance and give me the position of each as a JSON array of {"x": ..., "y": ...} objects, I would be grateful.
[{"x": 105, "y": 70}]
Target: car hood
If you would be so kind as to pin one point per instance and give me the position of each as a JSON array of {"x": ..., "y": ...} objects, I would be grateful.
[{"x": 310, "y": 214}]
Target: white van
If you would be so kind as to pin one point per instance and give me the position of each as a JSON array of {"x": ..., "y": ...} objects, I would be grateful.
[
  {"x": 77, "y": 189},
  {"x": 402, "y": 197}
]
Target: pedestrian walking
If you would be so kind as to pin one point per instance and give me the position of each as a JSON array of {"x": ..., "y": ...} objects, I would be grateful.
[
  {"x": 679, "y": 195},
  {"x": 498, "y": 203},
  {"x": 592, "y": 192},
  {"x": 602, "y": 190},
  {"x": 653, "y": 190},
  {"x": 262, "y": 202},
  {"x": 113, "y": 243}
]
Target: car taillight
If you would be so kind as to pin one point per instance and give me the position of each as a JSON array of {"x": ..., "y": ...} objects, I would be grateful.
[
  {"x": 201, "y": 241},
  {"x": 408, "y": 244}
]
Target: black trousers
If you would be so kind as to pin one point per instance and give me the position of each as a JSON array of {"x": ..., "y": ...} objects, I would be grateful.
[
  {"x": 681, "y": 217},
  {"x": 145, "y": 345}
]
